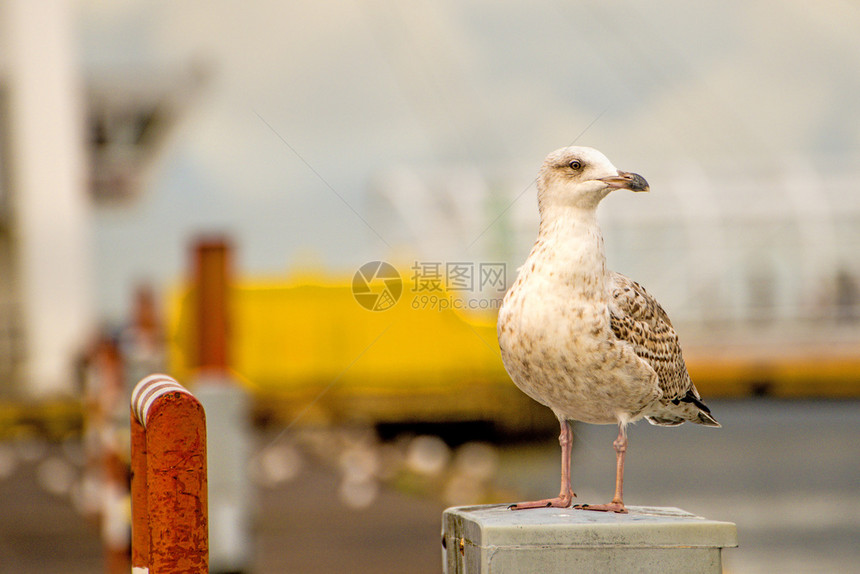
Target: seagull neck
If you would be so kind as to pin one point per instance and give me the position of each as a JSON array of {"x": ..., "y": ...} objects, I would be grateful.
[
  {"x": 571, "y": 224},
  {"x": 573, "y": 241}
]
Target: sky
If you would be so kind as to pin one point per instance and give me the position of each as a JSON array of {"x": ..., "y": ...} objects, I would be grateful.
[{"x": 307, "y": 103}]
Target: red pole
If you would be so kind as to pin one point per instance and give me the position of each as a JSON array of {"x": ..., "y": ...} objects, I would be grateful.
[
  {"x": 212, "y": 270},
  {"x": 170, "y": 526}
]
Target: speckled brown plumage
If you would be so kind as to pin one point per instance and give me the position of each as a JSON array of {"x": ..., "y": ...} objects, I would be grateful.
[
  {"x": 590, "y": 344},
  {"x": 639, "y": 319}
]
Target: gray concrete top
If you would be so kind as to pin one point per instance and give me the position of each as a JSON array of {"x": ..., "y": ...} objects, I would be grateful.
[{"x": 644, "y": 526}]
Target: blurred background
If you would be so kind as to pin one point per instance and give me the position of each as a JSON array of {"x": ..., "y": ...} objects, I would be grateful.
[{"x": 287, "y": 145}]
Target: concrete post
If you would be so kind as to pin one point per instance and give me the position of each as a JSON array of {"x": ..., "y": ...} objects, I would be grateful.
[{"x": 484, "y": 539}]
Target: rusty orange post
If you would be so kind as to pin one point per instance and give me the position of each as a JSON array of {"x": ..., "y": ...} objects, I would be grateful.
[
  {"x": 212, "y": 273},
  {"x": 169, "y": 495}
]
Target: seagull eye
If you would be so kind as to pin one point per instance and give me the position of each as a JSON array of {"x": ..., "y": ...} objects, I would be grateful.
[{"x": 575, "y": 165}]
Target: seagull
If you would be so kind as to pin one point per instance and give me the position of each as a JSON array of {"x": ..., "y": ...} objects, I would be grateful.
[{"x": 589, "y": 343}]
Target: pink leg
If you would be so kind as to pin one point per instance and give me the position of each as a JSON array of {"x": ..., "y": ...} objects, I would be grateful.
[
  {"x": 617, "y": 504},
  {"x": 565, "y": 496}
]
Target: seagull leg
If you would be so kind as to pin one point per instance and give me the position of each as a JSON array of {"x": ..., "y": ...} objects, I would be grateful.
[
  {"x": 617, "y": 504},
  {"x": 565, "y": 496}
]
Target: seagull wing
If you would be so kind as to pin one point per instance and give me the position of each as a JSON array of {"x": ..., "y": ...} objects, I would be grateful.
[{"x": 638, "y": 319}]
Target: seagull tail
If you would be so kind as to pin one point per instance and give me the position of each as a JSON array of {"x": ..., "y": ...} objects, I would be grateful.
[
  {"x": 703, "y": 414},
  {"x": 707, "y": 420},
  {"x": 700, "y": 418},
  {"x": 679, "y": 410}
]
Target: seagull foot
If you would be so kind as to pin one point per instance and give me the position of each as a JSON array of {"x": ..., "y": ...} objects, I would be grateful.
[
  {"x": 617, "y": 507},
  {"x": 557, "y": 502}
]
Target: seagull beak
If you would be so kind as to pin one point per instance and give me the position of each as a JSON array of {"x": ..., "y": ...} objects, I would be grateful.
[{"x": 627, "y": 180}]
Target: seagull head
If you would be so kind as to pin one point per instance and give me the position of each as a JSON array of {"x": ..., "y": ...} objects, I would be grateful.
[{"x": 581, "y": 177}]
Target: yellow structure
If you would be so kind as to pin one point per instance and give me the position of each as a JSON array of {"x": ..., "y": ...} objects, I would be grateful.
[{"x": 309, "y": 341}]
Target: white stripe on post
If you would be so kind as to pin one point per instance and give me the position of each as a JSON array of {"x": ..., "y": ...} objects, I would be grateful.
[{"x": 148, "y": 390}]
